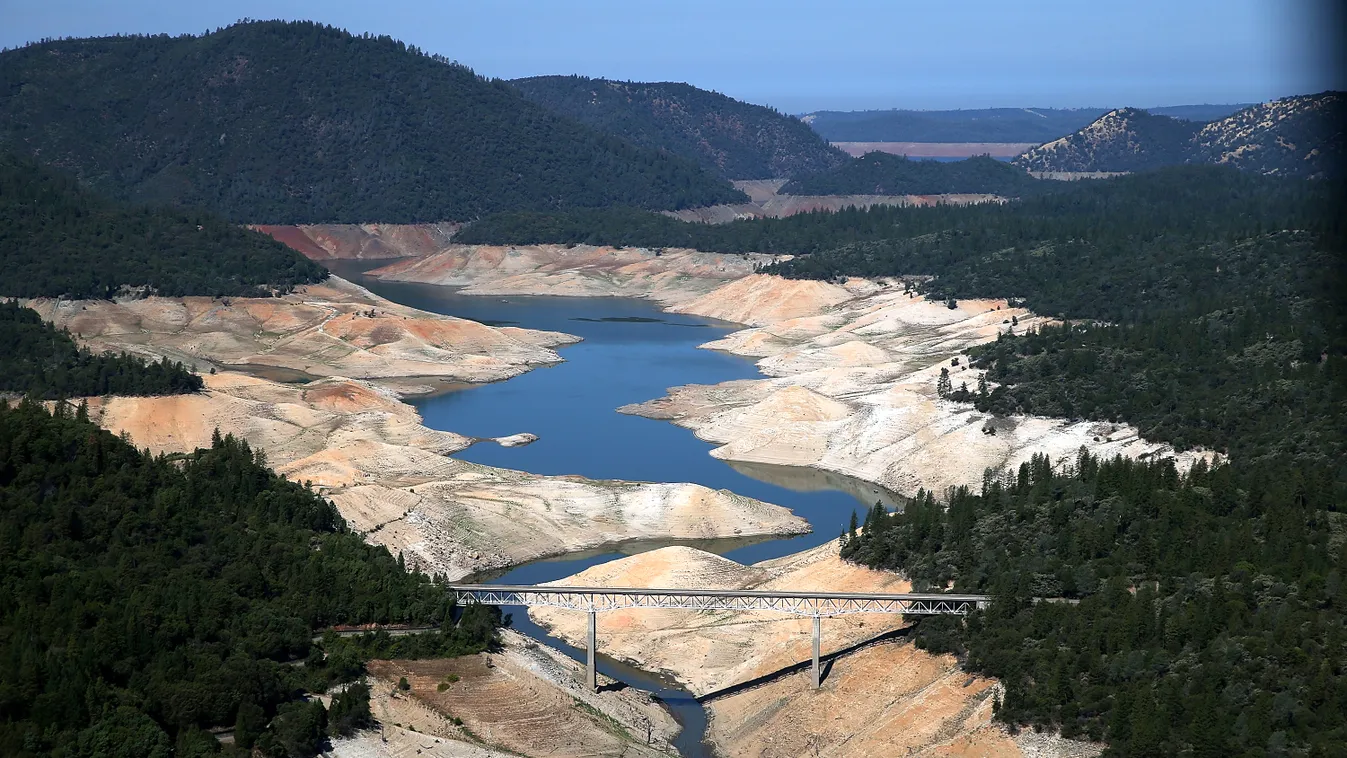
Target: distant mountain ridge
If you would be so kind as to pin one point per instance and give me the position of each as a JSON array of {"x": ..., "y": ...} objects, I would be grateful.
[
  {"x": 979, "y": 125},
  {"x": 1294, "y": 136},
  {"x": 733, "y": 139},
  {"x": 276, "y": 122}
]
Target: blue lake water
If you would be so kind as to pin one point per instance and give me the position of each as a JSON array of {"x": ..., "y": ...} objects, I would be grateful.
[{"x": 631, "y": 353}]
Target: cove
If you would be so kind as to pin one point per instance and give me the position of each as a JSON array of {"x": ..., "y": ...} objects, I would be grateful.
[{"x": 631, "y": 352}]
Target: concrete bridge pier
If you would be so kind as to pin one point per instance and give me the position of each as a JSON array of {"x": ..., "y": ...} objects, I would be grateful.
[
  {"x": 818, "y": 633},
  {"x": 591, "y": 675}
]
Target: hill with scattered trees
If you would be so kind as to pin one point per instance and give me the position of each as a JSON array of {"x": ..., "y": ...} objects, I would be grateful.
[
  {"x": 733, "y": 139},
  {"x": 884, "y": 174},
  {"x": 1294, "y": 136},
  {"x": 58, "y": 239},
  {"x": 147, "y": 599},
  {"x": 282, "y": 123}
]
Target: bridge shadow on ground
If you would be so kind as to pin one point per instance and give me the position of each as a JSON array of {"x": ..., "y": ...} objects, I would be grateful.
[{"x": 825, "y": 665}]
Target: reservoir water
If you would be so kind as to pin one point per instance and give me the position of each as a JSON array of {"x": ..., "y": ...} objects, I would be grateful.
[{"x": 632, "y": 352}]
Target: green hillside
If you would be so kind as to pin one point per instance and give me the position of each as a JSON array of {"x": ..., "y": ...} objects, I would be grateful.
[
  {"x": 884, "y": 174},
  {"x": 733, "y": 139},
  {"x": 39, "y": 360},
  {"x": 58, "y": 239},
  {"x": 147, "y": 599},
  {"x": 274, "y": 122}
]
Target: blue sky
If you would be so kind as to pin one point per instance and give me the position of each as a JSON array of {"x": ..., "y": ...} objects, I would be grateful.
[{"x": 802, "y": 56}]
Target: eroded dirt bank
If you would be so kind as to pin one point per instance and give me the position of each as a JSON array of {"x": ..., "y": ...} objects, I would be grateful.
[
  {"x": 330, "y": 329},
  {"x": 526, "y": 700},
  {"x": 392, "y": 480},
  {"x": 885, "y": 699},
  {"x": 669, "y": 277},
  {"x": 363, "y": 241}
]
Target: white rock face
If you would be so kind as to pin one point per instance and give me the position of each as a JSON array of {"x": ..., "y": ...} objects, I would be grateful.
[
  {"x": 853, "y": 389},
  {"x": 516, "y": 440}
]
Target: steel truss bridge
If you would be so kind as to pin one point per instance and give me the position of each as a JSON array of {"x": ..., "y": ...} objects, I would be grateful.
[{"x": 594, "y": 600}]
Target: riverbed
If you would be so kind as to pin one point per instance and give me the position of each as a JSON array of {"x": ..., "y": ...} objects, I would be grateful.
[{"x": 631, "y": 352}]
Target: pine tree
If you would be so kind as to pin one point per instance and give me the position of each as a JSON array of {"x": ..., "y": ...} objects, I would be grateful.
[{"x": 942, "y": 385}]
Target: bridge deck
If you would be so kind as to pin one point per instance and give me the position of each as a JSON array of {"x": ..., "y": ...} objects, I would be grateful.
[{"x": 793, "y": 602}]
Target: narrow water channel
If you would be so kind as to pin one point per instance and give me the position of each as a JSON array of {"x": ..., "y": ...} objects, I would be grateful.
[{"x": 631, "y": 353}]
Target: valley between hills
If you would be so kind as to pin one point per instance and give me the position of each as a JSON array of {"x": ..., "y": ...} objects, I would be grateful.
[{"x": 848, "y": 387}]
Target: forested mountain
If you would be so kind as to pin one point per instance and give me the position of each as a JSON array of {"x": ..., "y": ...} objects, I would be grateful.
[
  {"x": 1296, "y": 136},
  {"x": 146, "y": 599},
  {"x": 39, "y": 360},
  {"x": 273, "y": 122},
  {"x": 58, "y": 239},
  {"x": 884, "y": 174},
  {"x": 733, "y": 139},
  {"x": 979, "y": 125}
]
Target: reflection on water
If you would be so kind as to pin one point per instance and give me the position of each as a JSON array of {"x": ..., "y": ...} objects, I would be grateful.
[{"x": 803, "y": 479}]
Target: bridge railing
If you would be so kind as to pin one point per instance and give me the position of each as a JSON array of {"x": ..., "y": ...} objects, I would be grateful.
[{"x": 796, "y": 603}]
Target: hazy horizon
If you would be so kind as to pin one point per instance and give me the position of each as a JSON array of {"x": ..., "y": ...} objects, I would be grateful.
[{"x": 858, "y": 55}]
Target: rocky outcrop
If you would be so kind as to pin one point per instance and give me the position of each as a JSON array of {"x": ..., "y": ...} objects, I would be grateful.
[
  {"x": 330, "y": 329},
  {"x": 852, "y": 388}
]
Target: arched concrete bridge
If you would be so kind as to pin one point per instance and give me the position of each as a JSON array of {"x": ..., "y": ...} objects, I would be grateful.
[{"x": 594, "y": 600}]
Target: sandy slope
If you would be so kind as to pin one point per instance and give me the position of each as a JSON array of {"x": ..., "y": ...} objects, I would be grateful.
[
  {"x": 887, "y": 700},
  {"x": 525, "y": 700},
  {"x": 390, "y": 477},
  {"x": 853, "y": 388},
  {"x": 672, "y": 276},
  {"x": 330, "y": 329}
]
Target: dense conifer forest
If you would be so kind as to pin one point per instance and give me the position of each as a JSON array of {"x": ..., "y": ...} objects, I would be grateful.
[
  {"x": 58, "y": 239},
  {"x": 884, "y": 174},
  {"x": 39, "y": 360},
  {"x": 1199, "y": 614},
  {"x": 147, "y": 598},
  {"x": 732, "y": 139},
  {"x": 272, "y": 122}
]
